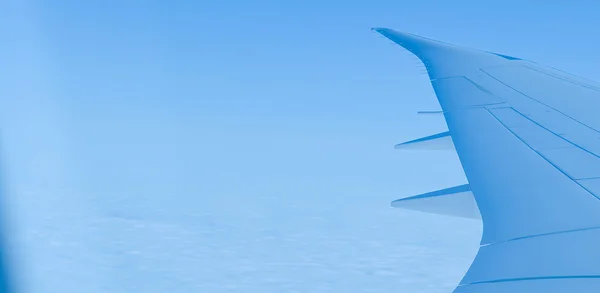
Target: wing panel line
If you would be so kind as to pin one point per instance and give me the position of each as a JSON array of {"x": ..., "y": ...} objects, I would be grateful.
[
  {"x": 532, "y": 279},
  {"x": 542, "y": 235},
  {"x": 533, "y": 99},
  {"x": 556, "y": 134},
  {"x": 588, "y": 178},
  {"x": 563, "y": 79},
  {"x": 541, "y": 155}
]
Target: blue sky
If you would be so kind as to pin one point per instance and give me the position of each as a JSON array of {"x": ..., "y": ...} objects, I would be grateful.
[{"x": 237, "y": 146}]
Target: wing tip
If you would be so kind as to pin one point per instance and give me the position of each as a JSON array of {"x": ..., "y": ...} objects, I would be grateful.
[{"x": 420, "y": 46}]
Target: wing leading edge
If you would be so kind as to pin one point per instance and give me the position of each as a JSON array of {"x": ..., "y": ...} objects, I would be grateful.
[{"x": 528, "y": 141}]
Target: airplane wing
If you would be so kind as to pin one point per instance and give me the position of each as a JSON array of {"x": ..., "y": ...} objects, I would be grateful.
[{"x": 528, "y": 138}]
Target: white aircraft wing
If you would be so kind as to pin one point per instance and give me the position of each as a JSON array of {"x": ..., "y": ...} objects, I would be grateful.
[{"x": 528, "y": 138}]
